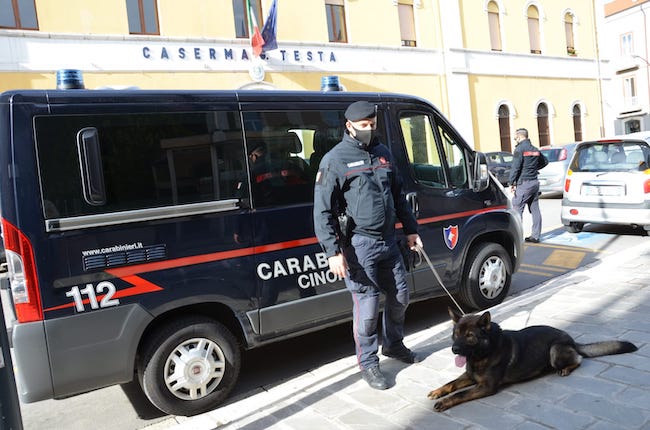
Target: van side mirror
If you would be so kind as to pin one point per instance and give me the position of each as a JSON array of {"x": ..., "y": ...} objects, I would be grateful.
[{"x": 480, "y": 173}]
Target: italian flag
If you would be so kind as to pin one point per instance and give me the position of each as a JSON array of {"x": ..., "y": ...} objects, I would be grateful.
[{"x": 257, "y": 41}]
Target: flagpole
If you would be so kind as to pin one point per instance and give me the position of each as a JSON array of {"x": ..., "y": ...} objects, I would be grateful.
[{"x": 250, "y": 19}]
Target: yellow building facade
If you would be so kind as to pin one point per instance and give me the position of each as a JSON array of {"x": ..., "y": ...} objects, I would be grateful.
[{"x": 490, "y": 65}]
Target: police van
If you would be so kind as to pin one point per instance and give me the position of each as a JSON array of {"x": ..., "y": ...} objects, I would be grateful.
[{"x": 156, "y": 235}]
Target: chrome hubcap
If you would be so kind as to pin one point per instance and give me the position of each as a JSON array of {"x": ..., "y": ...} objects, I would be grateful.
[
  {"x": 194, "y": 369},
  {"x": 492, "y": 277}
]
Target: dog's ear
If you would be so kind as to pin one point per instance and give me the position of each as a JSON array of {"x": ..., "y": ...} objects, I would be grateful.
[
  {"x": 455, "y": 316},
  {"x": 485, "y": 320}
]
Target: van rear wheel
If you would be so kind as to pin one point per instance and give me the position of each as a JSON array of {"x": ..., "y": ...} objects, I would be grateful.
[
  {"x": 189, "y": 366},
  {"x": 486, "y": 277}
]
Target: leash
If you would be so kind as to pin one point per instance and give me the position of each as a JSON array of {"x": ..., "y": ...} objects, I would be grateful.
[{"x": 420, "y": 250}]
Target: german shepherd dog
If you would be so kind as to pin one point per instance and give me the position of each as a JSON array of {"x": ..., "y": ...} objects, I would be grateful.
[{"x": 494, "y": 357}]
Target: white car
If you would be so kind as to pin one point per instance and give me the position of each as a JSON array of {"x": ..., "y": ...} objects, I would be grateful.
[
  {"x": 608, "y": 182},
  {"x": 551, "y": 177}
]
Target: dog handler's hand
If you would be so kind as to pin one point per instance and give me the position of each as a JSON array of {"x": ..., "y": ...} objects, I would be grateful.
[
  {"x": 338, "y": 265},
  {"x": 414, "y": 241}
]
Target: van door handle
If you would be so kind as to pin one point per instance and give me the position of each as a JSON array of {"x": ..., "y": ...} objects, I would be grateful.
[{"x": 412, "y": 199}]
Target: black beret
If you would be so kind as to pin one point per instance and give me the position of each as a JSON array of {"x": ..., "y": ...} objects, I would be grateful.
[{"x": 360, "y": 110}]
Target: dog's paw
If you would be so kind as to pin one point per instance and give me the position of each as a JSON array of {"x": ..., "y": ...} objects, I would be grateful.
[
  {"x": 435, "y": 394},
  {"x": 440, "y": 406}
]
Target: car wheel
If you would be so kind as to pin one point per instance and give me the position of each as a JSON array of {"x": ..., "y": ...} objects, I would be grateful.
[
  {"x": 575, "y": 227},
  {"x": 486, "y": 277},
  {"x": 189, "y": 366}
]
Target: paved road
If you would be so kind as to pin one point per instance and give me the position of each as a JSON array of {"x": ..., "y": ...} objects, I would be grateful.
[
  {"x": 608, "y": 299},
  {"x": 561, "y": 251},
  {"x": 125, "y": 408}
]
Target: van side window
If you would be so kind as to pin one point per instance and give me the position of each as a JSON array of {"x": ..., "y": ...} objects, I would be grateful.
[
  {"x": 422, "y": 150},
  {"x": 148, "y": 160},
  {"x": 437, "y": 165},
  {"x": 285, "y": 148},
  {"x": 455, "y": 157}
]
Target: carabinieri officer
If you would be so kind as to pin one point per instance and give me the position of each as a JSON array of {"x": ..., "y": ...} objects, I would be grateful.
[{"x": 358, "y": 198}]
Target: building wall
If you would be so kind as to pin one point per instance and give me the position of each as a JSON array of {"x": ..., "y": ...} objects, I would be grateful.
[
  {"x": 628, "y": 18},
  {"x": 195, "y": 18},
  {"x": 522, "y": 80},
  {"x": 453, "y": 65},
  {"x": 615, "y": 6},
  {"x": 524, "y": 94},
  {"x": 82, "y": 16}
]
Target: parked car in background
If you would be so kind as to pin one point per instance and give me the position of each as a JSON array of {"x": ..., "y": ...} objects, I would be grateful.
[
  {"x": 499, "y": 163},
  {"x": 608, "y": 182},
  {"x": 551, "y": 177}
]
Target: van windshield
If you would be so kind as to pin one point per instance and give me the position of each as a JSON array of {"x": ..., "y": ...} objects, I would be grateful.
[{"x": 612, "y": 156}]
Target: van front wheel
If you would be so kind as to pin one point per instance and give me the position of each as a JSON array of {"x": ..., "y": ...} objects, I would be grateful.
[
  {"x": 189, "y": 366},
  {"x": 487, "y": 276}
]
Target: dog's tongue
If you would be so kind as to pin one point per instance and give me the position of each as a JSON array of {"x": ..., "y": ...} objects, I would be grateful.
[{"x": 460, "y": 361}]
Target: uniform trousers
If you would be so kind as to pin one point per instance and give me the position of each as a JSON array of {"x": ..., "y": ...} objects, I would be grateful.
[
  {"x": 376, "y": 266},
  {"x": 527, "y": 193}
]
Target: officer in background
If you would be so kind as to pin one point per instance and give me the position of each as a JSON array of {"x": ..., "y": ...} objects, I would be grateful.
[
  {"x": 358, "y": 198},
  {"x": 526, "y": 162}
]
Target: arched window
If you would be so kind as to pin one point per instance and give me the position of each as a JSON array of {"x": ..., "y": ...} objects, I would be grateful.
[
  {"x": 577, "y": 123},
  {"x": 504, "y": 128},
  {"x": 542, "y": 124},
  {"x": 568, "y": 31},
  {"x": 533, "y": 30},
  {"x": 495, "y": 26}
]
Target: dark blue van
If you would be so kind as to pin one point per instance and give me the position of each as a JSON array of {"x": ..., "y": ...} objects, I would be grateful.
[{"x": 157, "y": 234}]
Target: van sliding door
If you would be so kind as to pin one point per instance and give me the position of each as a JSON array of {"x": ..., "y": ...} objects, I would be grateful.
[{"x": 295, "y": 287}]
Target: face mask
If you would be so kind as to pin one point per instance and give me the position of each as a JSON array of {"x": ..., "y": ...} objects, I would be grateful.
[{"x": 364, "y": 136}]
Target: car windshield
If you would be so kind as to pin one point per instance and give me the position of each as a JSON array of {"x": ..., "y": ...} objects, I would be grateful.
[
  {"x": 552, "y": 154},
  {"x": 616, "y": 156},
  {"x": 499, "y": 157}
]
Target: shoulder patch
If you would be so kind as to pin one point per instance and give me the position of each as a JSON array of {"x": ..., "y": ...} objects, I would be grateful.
[
  {"x": 356, "y": 163},
  {"x": 320, "y": 175}
]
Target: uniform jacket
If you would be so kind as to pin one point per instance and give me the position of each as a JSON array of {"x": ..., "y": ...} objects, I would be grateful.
[
  {"x": 526, "y": 161},
  {"x": 363, "y": 183}
]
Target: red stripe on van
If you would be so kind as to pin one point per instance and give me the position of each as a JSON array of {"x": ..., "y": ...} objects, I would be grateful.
[
  {"x": 121, "y": 272},
  {"x": 142, "y": 286},
  {"x": 460, "y": 214}
]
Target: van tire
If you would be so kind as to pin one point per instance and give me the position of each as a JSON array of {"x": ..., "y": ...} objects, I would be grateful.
[
  {"x": 210, "y": 348},
  {"x": 575, "y": 227},
  {"x": 486, "y": 276}
]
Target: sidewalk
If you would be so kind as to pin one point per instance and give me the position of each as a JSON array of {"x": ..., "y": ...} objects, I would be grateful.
[{"x": 608, "y": 299}]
